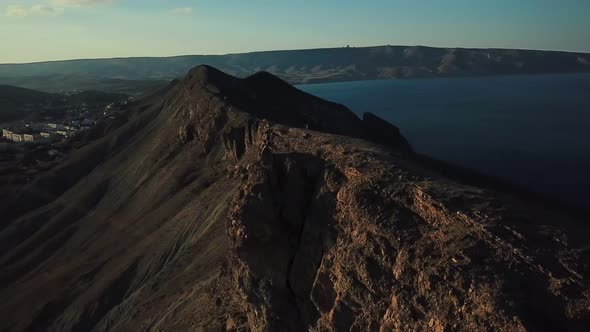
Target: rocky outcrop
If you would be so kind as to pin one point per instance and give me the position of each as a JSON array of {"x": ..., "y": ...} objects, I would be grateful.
[
  {"x": 245, "y": 204},
  {"x": 349, "y": 237},
  {"x": 383, "y": 132}
]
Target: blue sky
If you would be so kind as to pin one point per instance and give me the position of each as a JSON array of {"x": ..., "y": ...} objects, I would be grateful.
[{"x": 37, "y": 30}]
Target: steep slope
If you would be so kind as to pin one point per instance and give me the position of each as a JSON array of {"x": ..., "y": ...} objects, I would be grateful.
[
  {"x": 296, "y": 66},
  {"x": 246, "y": 204}
]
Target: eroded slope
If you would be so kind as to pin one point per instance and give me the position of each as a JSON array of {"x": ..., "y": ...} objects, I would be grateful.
[{"x": 249, "y": 205}]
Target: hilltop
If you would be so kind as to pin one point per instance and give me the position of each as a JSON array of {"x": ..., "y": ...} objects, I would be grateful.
[
  {"x": 134, "y": 75},
  {"x": 245, "y": 204}
]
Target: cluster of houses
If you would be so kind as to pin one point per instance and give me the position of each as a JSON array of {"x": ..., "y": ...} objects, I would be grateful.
[
  {"x": 50, "y": 131},
  {"x": 78, "y": 117},
  {"x": 9, "y": 135}
]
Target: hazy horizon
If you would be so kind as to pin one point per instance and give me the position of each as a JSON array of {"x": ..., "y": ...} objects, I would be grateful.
[
  {"x": 280, "y": 50},
  {"x": 53, "y": 30}
]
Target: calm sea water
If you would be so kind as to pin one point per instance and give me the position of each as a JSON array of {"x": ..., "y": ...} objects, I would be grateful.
[{"x": 531, "y": 130}]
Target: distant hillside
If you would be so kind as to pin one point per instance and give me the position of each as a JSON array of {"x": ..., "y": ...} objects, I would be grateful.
[
  {"x": 297, "y": 66},
  {"x": 11, "y": 95},
  {"x": 13, "y": 101},
  {"x": 25, "y": 104},
  {"x": 58, "y": 83}
]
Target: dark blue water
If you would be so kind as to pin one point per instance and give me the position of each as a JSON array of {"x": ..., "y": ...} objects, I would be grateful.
[{"x": 531, "y": 130}]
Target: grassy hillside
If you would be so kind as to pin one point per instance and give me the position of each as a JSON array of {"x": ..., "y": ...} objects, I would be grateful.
[
  {"x": 25, "y": 104},
  {"x": 13, "y": 101},
  {"x": 58, "y": 83},
  {"x": 12, "y": 95}
]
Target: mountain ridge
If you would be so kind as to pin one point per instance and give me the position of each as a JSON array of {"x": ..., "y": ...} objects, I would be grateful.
[
  {"x": 302, "y": 66},
  {"x": 221, "y": 205},
  {"x": 294, "y": 50}
]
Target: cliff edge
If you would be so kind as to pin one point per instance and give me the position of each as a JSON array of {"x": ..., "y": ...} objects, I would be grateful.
[{"x": 246, "y": 204}]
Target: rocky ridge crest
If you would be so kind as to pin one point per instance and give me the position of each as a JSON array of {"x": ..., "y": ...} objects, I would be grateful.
[{"x": 245, "y": 204}]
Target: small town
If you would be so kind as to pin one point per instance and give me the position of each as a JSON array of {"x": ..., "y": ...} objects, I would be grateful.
[
  {"x": 44, "y": 131},
  {"x": 62, "y": 125}
]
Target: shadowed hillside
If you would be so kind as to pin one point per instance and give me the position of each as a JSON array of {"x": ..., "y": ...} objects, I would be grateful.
[
  {"x": 246, "y": 204},
  {"x": 15, "y": 101},
  {"x": 18, "y": 104}
]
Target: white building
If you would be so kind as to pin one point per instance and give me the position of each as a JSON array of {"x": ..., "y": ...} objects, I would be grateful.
[
  {"x": 7, "y": 134},
  {"x": 17, "y": 138}
]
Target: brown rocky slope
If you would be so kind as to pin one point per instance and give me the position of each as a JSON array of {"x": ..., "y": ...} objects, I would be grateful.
[{"x": 245, "y": 204}]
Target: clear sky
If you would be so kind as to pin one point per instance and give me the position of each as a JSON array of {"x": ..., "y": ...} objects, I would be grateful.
[{"x": 36, "y": 30}]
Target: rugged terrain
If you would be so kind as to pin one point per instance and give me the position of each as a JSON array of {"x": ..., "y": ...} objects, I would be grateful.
[
  {"x": 245, "y": 204},
  {"x": 134, "y": 75}
]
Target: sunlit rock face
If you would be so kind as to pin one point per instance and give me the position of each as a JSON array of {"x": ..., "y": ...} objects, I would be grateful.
[{"x": 245, "y": 204}]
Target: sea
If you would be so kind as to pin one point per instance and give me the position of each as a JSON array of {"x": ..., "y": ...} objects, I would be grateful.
[{"x": 530, "y": 130}]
